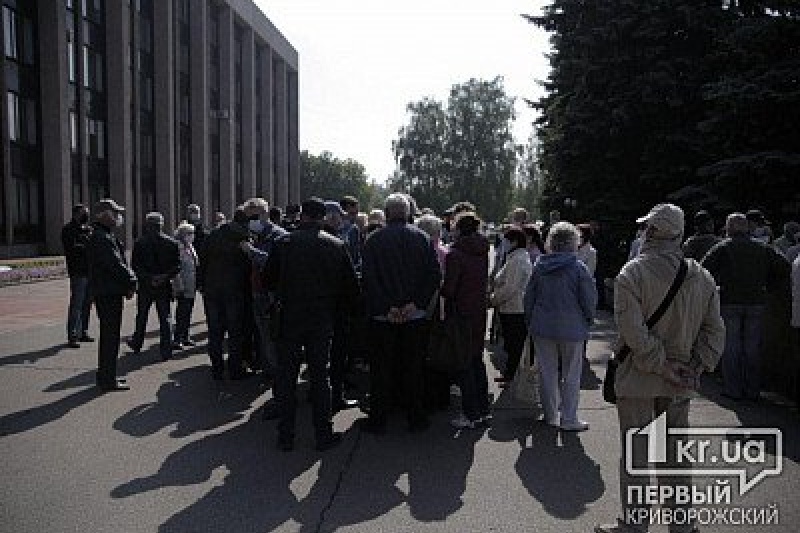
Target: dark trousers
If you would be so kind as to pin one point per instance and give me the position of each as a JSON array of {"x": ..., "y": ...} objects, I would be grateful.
[
  {"x": 109, "y": 314},
  {"x": 399, "y": 346},
  {"x": 741, "y": 360},
  {"x": 250, "y": 340},
  {"x": 472, "y": 381},
  {"x": 225, "y": 313},
  {"x": 339, "y": 357},
  {"x": 144, "y": 300},
  {"x": 514, "y": 334},
  {"x": 317, "y": 355},
  {"x": 80, "y": 303},
  {"x": 183, "y": 317}
]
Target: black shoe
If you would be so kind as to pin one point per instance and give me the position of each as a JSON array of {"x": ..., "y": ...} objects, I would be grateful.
[
  {"x": 375, "y": 427},
  {"x": 72, "y": 343},
  {"x": 188, "y": 342},
  {"x": 117, "y": 385},
  {"x": 135, "y": 349},
  {"x": 343, "y": 405},
  {"x": 271, "y": 411},
  {"x": 177, "y": 346},
  {"x": 285, "y": 444},
  {"x": 329, "y": 442},
  {"x": 86, "y": 338}
]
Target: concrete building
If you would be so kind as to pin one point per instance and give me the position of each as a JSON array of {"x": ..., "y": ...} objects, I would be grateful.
[{"x": 156, "y": 103}]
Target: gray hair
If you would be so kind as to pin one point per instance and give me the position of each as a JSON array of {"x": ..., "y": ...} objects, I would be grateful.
[
  {"x": 430, "y": 224},
  {"x": 736, "y": 224},
  {"x": 257, "y": 203},
  {"x": 155, "y": 218},
  {"x": 563, "y": 237},
  {"x": 184, "y": 228},
  {"x": 397, "y": 207}
]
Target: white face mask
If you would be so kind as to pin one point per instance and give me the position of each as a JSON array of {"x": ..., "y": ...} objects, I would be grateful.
[
  {"x": 120, "y": 219},
  {"x": 256, "y": 226}
]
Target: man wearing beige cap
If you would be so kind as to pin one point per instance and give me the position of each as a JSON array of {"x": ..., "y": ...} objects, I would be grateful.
[
  {"x": 110, "y": 280},
  {"x": 661, "y": 369}
]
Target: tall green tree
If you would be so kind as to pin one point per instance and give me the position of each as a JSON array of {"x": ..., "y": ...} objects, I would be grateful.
[
  {"x": 623, "y": 100},
  {"x": 330, "y": 178},
  {"x": 464, "y": 151}
]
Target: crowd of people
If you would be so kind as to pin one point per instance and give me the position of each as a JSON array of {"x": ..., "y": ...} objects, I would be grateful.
[{"x": 328, "y": 286}]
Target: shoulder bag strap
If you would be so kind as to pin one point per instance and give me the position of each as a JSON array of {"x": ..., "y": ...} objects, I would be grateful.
[{"x": 659, "y": 312}]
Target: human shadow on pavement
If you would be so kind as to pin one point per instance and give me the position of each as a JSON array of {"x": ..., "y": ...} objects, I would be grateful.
[
  {"x": 428, "y": 473},
  {"x": 31, "y": 418},
  {"x": 256, "y": 488},
  {"x": 191, "y": 402},
  {"x": 34, "y": 356},
  {"x": 557, "y": 472}
]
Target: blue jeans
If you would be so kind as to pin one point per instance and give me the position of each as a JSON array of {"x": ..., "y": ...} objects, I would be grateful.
[
  {"x": 741, "y": 361},
  {"x": 80, "y": 302},
  {"x": 225, "y": 313}
]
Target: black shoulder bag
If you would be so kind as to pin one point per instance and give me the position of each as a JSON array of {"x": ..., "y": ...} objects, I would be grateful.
[{"x": 609, "y": 391}]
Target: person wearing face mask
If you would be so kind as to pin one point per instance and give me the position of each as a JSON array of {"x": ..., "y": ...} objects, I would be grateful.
[
  {"x": 74, "y": 238},
  {"x": 110, "y": 280},
  {"x": 264, "y": 233},
  {"x": 200, "y": 231},
  {"x": 185, "y": 284},
  {"x": 156, "y": 259}
]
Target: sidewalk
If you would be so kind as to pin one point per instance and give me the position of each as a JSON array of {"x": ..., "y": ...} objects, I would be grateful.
[{"x": 181, "y": 453}]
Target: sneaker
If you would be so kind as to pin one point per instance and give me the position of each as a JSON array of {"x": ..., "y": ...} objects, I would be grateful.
[
  {"x": 462, "y": 422},
  {"x": 578, "y": 425}
]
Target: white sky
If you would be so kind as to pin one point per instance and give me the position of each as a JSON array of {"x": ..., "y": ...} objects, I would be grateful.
[{"x": 363, "y": 61}]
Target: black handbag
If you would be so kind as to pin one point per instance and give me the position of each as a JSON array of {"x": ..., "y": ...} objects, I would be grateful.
[
  {"x": 609, "y": 389},
  {"x": 448, "y": 344}
]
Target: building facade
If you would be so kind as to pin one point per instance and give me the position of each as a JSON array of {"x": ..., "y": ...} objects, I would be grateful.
[{"x": 156, "y": 103}]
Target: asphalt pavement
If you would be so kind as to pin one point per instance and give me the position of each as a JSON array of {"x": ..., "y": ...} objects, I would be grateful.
[{"x": 182, "y": 453}]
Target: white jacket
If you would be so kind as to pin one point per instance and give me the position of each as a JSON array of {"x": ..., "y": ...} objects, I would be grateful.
[
  {"x": 796, "y": 293},
  {"x": 511, "y": 282}
]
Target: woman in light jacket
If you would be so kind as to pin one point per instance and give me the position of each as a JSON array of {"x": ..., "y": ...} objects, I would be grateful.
[
  {"x": 509, "y": 288},
  {"x": 185, "y": 284},
  {"x": 559, "y": 309}
]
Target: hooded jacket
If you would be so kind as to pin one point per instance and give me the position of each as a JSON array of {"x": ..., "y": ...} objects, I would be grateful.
[
  {"x": 466, "y": 274},
  {"x": 511, "y": 282},
  {"x": 560, "y": 299},
  {"x": 690, "y": 331}
]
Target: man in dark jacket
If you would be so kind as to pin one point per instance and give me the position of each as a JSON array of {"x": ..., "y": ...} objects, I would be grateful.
[
  {"x": 110, "y": 280},
  {"x": 75, "y": 238},
  {"x": 320, "y": 281},
  {"x": 200, "y": 232},
  {"x": 224, "y": 275},
  {"x": 697, "y": 246},
  {"x": 745, "y": 269},
  {"x": 156, "y": 259},
  {"x": 400, "y": 273}
]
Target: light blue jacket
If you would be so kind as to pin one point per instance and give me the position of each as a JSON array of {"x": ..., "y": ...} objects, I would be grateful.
[{"x": 561, "y": 298}]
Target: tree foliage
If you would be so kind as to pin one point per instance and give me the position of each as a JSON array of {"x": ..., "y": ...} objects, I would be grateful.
[
  {"x": 330, "y": 178},
  {"x": 464, "y": 151},
  {"x": 668, "y": 99}
]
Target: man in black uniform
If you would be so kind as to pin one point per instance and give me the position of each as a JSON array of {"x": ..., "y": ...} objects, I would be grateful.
[
  {"x": 110, "y": 280},
  {"x": 75, "y": 238},
  {"x": 320, "y": 281},
  {"x": 156, "y": 259}
]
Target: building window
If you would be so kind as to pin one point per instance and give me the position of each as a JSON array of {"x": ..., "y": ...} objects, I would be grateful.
[
  {"x": 73, "y": 132},
  {"x": 71, "y": 59},
  {"x": 12, "y": 104},
  {"x": 10, "y": 32}
]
